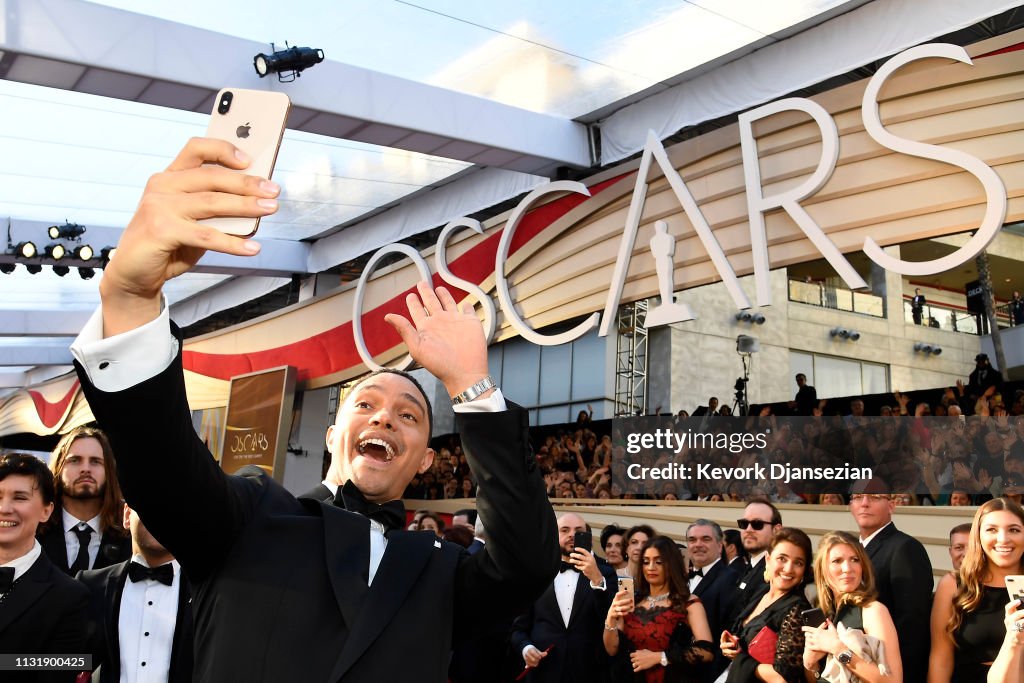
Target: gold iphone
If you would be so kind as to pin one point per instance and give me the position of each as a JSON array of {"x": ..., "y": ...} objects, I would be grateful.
[{"x": 253, "y": 121}]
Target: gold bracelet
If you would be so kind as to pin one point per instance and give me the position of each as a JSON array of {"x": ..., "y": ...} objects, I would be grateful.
[{"x": 610, "y": 628}]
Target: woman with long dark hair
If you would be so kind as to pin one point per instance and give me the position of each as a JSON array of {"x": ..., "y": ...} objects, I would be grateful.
[
  {"x": 660, "y": 635},
  {"x": 845, "y": 583},
  {"x": 976, "y": 628},
  {"x": 766, "y": 642}
]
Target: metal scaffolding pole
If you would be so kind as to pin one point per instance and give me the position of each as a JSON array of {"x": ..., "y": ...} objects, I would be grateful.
[{"x": 631, "y": 360}]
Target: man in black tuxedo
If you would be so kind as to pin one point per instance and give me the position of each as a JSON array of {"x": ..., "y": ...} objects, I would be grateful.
[
  {"x": 288, "y": 589},
  {"x": 903, "y": 576},
  {"x": 85, "y": 530},
  {"x": 142, "y": 613},
  {"x": 568, "y": 618},
  {"x": 761, "y": 519},
  {"x": 42, "y": 611},
  {"x": 714, "y": 582},
  {"x": 917, "y": 304}
]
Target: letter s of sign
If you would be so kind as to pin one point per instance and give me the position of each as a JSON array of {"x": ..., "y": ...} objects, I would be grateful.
[
  {"x": 441, "y": 264},
  {"x": 501, "y": 281},
  {"x": 995, "y": 191},
  {"x": 357, "y": 304}
]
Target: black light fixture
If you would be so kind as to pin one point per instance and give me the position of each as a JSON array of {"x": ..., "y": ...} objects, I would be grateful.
[
  {"x": 67, "y": 231},
  {"x": 288, "y": 64},
  {"x": 61, "y": 271},
  {"x": 86, "y": 273},
  {"x": 83, "y": 253},
  {"x": 55, "y": 251},
  {"x": 107, "y": 253},
  {"x": 33, "y": 268},
  {"x": 25, "y": 250},
  {"x": 7, "y": 268}
]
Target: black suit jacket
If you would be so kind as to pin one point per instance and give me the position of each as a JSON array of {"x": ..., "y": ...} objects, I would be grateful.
[
  {"x": 903, "y": 576},
  {"x": 105, "y": 587},
  {"x": 751, "y": 587},
  {"x": 45, "y": 613},
  {"x": 319, "y": 492},
  {"x": 717, "y": 593},
  {"x": 280, "y": 585},
  {"x": 114, "y": 547},
  {"x": 578, "y": 653}
]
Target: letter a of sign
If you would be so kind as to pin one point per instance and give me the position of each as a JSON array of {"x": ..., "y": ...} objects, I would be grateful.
[{"x": 654, "y": 150}]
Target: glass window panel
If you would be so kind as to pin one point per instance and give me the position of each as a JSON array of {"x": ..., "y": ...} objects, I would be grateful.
[
  {"x": 588, "y": 366},
  {"x": 837, "y": 377},
  {"x": 522, "y": 362},
  {"x": 875, "y": 378},
  {"x": 801, "y": 362},
  {"x": 555, "y": 373},
  {"x": 553, "y": 415}
]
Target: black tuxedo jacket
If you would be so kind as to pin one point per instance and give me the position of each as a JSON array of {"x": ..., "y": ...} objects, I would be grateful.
[
  {"x": 903, "y": 576},
  {"x": 280, "y": 585},
  {"x": 106, "y": 586},
  {"x": 114, "y": 547},
  {"x": 45, "y": 613},
  {"x": 319, "y": 492},
  {"x": 717, "y": 593},
  {"x": 751, "y": 587},
  {"x": 578, "y": 653}
]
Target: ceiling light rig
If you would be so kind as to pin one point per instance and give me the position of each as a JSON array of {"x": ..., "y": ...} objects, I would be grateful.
[
  {"x": 68, "y": 231},
  {"x": 288, "y": 64},
  {"x": 7, "y": 268},
  {"x": 86, "y": 273},
  {"x": 61, "y": 271},
  {"x": 56, "y": 251}
]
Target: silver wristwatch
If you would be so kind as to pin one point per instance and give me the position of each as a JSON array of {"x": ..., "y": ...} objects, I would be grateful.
[
  {"x": 845, "y": 657},
  {"x": 664, "y": 659},
  {"x": 475, "y": 391}
]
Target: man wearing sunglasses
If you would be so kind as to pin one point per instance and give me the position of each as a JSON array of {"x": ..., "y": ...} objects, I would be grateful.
[
  {"x": 902, "y": 568},
  {"x": 759, "y": 523}
]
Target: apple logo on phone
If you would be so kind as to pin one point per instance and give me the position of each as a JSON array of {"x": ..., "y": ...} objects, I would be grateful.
[{"x": 243, "y": 131}]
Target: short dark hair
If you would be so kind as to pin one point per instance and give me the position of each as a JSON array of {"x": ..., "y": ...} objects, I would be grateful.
[
  {"x": 415, "y": 383},
  {"x": 29, "y": 466},
  {"x": 609, "y": 531},
  {"x": 964, "y": 528},
  {"x": 733, "y": 538},
  {"x": 761, "y": 500},
  {"x": 469, "y": 513},
  {"x": 640, "y": 528}
]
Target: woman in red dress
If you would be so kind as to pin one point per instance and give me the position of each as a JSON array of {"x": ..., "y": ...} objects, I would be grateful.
[{"x": 661, "y": 636}]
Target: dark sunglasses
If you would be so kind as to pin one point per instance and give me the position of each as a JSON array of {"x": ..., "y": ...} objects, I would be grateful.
[{"x": 758, "y": 524}]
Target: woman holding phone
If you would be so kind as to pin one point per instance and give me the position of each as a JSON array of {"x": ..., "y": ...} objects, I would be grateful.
[
  {"x": 663, "y": 636},
  {"x": 846, "y": 591},
  {"x": 767, "y": 641},
  {"x": 975, "y": 625}
]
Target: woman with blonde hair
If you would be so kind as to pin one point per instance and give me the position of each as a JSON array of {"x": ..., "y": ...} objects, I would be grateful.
[
  {"x": 846, "y": 593},
  {"x": 976, "y": 628}
]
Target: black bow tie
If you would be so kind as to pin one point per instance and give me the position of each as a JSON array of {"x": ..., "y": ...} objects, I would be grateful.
[
  {"x": 140, "y": 572},
  {"x": 567, "y": 567},
  {"x": 694, "y": 571},
  {"x": 6, "y": 578},
  {"x": 391, "y": 514}
]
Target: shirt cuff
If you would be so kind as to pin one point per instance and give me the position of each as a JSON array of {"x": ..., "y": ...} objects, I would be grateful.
[
  {"x": 528, "y": 647},
  {"x": 125, "y": 360},
  {"x": 602, "y": 585},
  {"x": 495, "y": 403}
]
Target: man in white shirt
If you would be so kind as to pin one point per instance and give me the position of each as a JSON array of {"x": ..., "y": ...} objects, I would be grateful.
[
  {"x": 141, "y": 608},
  {"x": 86, "y": 531},
  {"x": 560, "y": 635},
  {"x": 42, "y": 611}
]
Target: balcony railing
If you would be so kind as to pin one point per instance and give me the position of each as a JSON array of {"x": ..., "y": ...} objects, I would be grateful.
[
  {"x": 953, "y": 319},
  {"x": 828, "y": 296}
]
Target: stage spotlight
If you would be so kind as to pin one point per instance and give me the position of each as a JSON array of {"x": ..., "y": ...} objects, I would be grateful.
[
  {"x": 7, "y": 268},
  {"x": 918, "y": 346},
  {"x": 61, "y": 271},
  {"x": 288, "y": 63},
  {"x": 86, "y": 273},
  {"x": 744, "y": 316},
  {"x": 927, "y": 348},
  {"x": 854, "y": 335},
  {"x": 55, "y": 251},
  {"x": 937, "y": 350},
  {"x": 25, "y": 250},
  {"x": 83, "y": 253},
  {"x": 67, "y": 231},
  {"x": 759, "y": 319},
  {"x": 107, "y": 253},
  {"x": 33, "y": 268}
]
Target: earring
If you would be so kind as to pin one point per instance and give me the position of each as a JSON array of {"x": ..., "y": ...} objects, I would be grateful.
[{"x": 767, "y": 577}]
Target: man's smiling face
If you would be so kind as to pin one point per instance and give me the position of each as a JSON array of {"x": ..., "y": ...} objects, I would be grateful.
[{"x": 379, "y": 440}]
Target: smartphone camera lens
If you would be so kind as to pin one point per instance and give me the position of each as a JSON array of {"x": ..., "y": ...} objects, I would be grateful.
[{"x": 225, "y": 103}]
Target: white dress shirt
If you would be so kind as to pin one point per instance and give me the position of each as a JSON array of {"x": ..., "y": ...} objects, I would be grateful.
[
  {"x": 565, "y": 591},
  {"x": 124, "y": 360},
  {"x": 71, "y": 539},
  {"x": 145, "y": 623},
  {"x": 25, "y": 562}
]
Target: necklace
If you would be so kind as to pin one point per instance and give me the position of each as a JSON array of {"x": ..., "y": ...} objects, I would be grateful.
[{"x": 657, "y": 598}]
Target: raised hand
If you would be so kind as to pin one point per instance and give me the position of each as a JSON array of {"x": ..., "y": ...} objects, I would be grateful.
[
  {"x": 163, "y": 239},
  {"x": 447, "y": 342}
]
